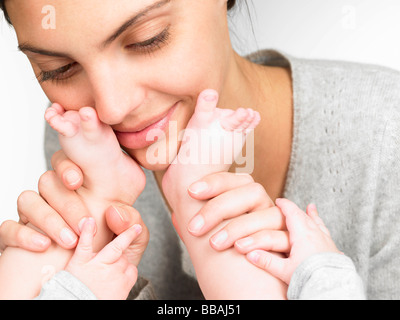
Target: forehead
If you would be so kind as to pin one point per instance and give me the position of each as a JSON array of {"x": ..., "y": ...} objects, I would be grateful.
[{"x": 69, "y": 20}]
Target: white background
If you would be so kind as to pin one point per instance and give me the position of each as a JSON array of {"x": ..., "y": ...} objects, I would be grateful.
[{"x": 365, "y": 31}]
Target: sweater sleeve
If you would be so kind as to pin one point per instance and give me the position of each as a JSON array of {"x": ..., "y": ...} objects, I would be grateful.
[
  {"x": 326, "y": 276},
  {"x": 64, "y": 286}
]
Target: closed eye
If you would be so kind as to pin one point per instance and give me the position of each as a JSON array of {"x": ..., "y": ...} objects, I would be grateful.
[
  {"x": 152, "y": 44},
  {"x": 59, "y": 74}
]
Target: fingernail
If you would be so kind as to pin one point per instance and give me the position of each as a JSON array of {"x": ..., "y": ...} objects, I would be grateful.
[
  {"x": 210, "y": 97},
  {"x": 138, "y": 228},
  {"x": 68, "y": 237},
  {"x": 219, "y": 238},
  {"x": 243, "y": 243},
  {"x": 253, "y": 256},
  {"x": 198, "y": 187},
  {"x": 81, "y": 224},
  {"x": 121, "y": 213},
  {"x": 40, "y": 241},
  {"x": 72, "y": 177},
  {"x": 312, "y": 207},
  {"x": 85, "y": 220},
  {"x": 196, "y": 224}
]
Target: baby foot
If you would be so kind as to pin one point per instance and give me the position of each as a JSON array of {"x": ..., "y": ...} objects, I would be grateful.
[
  {"x": 92, "y": 145},
  {"x": 212, "y": 140}
]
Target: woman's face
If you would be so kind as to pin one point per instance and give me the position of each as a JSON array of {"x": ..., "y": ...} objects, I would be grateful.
[{"x": 136, "y": 62}]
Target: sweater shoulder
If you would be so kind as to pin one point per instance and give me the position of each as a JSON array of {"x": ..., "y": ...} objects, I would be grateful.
[{"x": 369, "y": 87}]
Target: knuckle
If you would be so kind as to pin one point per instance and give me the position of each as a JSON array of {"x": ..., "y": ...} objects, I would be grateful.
[
  {"x": 45, "y": 180},
  {"x": 49, "y": 219},
  {"x": 4, "y": 227},
  {"x": 55, "y": 159},
  {"x": 71, "y": 208},
  {"x": 258, "y": 190},
  {"x": 20, "y": 236},
  {"x": 260, "y": 196},
  {"x": 247, "y": 178},
  {"x": 25, "y": 199}
]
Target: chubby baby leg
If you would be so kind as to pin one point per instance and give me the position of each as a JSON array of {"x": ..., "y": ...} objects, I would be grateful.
[
  {"x": 109, "y": 174},
  {"x": 226, "y": 274}
]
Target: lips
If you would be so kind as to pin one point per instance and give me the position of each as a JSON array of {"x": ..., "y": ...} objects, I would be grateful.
[{"x": 136, "y": 139}]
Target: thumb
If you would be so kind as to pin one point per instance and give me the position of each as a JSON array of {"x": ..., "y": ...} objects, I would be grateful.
[
  {"x": 297, "y": 220},
  {"x": 115, "y": 249},
  {"x": 270, "y": 263},
  {"x": 120, "y": 217},
  {"x": 84, "y": 249}
]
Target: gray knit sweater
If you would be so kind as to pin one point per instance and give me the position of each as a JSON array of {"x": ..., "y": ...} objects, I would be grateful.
[{"x": 345, "y": 159}]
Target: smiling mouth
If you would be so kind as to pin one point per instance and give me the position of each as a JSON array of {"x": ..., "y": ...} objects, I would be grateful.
[{"x": 137, "y": 138}]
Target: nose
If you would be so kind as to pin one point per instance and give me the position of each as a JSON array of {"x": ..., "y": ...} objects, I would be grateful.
[{"x": 116, "y": 93}]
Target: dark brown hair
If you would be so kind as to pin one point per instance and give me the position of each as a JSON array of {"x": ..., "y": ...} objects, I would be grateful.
[
  {"x": 231, "y": 4},
  {"x": 3, "y": 7}
]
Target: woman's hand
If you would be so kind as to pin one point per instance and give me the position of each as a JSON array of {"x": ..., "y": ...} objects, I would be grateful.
[
  {"x": 248, "y": 208},
  {"x": 59, "y": 212}
]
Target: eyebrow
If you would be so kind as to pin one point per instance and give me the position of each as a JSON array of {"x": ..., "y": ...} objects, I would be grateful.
[{"x": 131, "y": 21}]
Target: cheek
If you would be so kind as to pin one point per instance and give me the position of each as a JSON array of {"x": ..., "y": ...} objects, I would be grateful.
[
  {"x": 183, "y": 77},
  {"x": 196, "y": 70},
  {"x": 189, "y": 64},
  {"x": 70, "y": 96}
]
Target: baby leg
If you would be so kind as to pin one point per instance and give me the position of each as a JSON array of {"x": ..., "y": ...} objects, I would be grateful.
[
  {"x": 226, "y": 274},
  {"x": 93, "y": 146},
  {"x": 109, "y": 174}
]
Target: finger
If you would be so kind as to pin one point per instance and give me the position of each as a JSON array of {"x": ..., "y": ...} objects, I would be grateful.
[
  {"x": 297, "y": 221},
  {"x": 131, "y": 273},
  {"x": 245, "y": 225},
  {"x": 217, "y": 183},
  {"x": 269, "y": 263},
  {"x": 313, "y": 214},
  {"x": 67, "y": 203},
  {"x": 67, "y": 171},
  {"x": 58, "y": 108},
  {"x": 230, "y": 204},
  {"x": 312, "y": 210},
  {"x": 269, "y": 240},
  {"x": 120, "y": 217},
  {"x": 13, "y": 234},
  {"x": 84, "y": 249},
  {"x": 114, "y": 250},
  {"x": 33, "y": 208}
]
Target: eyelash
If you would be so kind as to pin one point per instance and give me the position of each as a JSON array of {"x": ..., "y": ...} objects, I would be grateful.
[
  {"x": 56, "y": 75},
  {"x": 145, "y": 47},
  {"x": 150, "y": 45}
]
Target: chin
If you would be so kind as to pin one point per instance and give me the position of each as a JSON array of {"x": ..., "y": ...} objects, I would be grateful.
[{"x": 143, "y": 159}]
